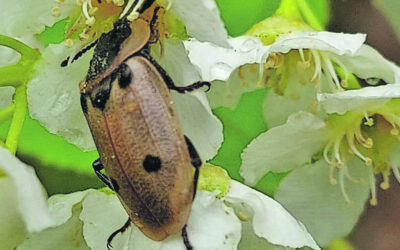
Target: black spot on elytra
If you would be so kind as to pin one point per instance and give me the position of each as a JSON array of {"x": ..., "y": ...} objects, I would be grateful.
[
  {"x": 114, "y": 184},
  {"x": 84, "y": 104},
  {"x": 125, "y": 76},
  {"x": 151, "y": 163}
]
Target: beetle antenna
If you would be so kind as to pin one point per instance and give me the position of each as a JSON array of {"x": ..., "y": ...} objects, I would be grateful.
[{"x": 66, "y": 62}]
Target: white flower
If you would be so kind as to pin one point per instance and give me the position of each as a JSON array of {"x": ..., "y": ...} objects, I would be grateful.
[
  {"x": 23, "y": 202},
  {"x": 214, "y": 223}
]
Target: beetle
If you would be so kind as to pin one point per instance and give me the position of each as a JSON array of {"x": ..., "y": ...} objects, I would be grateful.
[{"x": 146, "y": 157}]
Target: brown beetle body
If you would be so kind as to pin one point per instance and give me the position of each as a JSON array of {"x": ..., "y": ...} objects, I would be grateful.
[
  {"x": 139, "y": 121},
  {"x": 147, "y": 159}
]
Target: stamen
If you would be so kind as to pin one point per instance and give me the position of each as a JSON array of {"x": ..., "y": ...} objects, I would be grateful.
[
  {"x": 332, "y": 179},
  {"x": 118, "y": 3},
  {"x": 396, "y": 173},
  {"x": 339, "y": 163},
  {"x": 317, "y": 61},
  {"x": 372, "y": 182},
  {"x": 301, "y": 53},
  {"x": 332, "y": 71},
  {"x": 385, "y": 184},
  {"x": 56, "y": 11},
  {"x": 127, "y": 8},
  {"x": 325, "y": 153},
  {"x": 89, "y": 19},
  {"x": 342, "y": 187},
  {"x": 341, "y": 65},
  {"x": 353, "y": 148},
  {"x": 369, "y": 120},
  {"x": 368, "y": 143},
  {"x": 260, "y": 75},
  {"x": 169, "y": 4}
]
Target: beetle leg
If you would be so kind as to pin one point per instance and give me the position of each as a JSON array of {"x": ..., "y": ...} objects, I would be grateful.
[
  {"x": 186, "y": 239},
  {"x": 196, "y": 162},
  {"x": 168, "y": 80},
  {"x": 98, "y": 166},
  {"x": 120, "y": 230}
]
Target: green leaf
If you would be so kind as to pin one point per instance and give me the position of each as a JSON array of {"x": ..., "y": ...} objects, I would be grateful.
[
  {"x": 239, "y": 16},
  {"x": 54, "y": 159},
  {"x": 241, "y": 126},
  {"x": 315, "y": 12},
  {"x": 54, "y": 34}
]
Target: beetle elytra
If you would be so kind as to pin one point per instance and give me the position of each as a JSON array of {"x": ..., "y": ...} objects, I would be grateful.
[{"x": 147, "y": 159}]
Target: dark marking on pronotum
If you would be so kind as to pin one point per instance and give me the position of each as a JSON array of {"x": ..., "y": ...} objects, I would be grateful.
[
  {"x": 151, "y": 163},
  {"x": 125, "y": 76}
]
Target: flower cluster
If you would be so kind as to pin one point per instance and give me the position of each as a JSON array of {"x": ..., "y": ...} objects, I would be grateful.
[{"x": 330, "y": 116}]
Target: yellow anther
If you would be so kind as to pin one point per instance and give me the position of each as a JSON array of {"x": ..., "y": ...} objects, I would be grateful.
[
  {"x": 385, "y": 185},
  {"x": 83, "y": 36},
  {"x": 368, "y": 161},
  {"x": 394, "y": 131},
  {"x": 351, "y": 203},
  {"x": 69, "y": 42},
  {"x": 369, "y": 143},
  {"x": 243, "y": 216},
  {"x": 339, "y": 164},
  {"x": 132, "y": 16},
  {"x": 93, "y": 10},
  {"x": 60, "y": 1},
  {"x": 373, "y": 202},
  {"x": 333, "y": 181},
  {"x": 118, "y": 3},
  {"x": 90, "y": 21},
  {"x": 56, "y": 11}
]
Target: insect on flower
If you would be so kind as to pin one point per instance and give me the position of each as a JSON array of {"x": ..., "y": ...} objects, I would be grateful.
[{"x": 147, "y": 159}]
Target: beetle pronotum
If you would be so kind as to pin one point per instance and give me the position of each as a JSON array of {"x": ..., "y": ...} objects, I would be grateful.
[{"x": 147, "y": 159}]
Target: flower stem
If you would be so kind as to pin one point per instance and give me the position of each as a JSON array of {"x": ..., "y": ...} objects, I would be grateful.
[
  {"x": 21, "y": 104},
  {"x": 308, "y": 15},
  {"x": 17, "y": 76}
]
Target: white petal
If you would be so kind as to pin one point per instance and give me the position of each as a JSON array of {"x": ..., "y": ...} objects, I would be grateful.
[
  {"x": 32, "y": 204},
  {"x": 359, "y": 100},
  {"x": 199, "y": 124},
  {"x": 61, "y": 205},
  {"x": 228, "y": 93},
  {"x": 211, "y": 226},
  {"x": 285, "y": 147},
  {"x": 217, "y": 63},
  {"x": 25, "y": 18},
  {"x": 103, "y": 214},
  {"x": 308, "y": 195},
  {"x": 195, "y": 115},
  {"x": 202, "y": 20},
  {"x": 338, "y": 43},
  {"x": 368, "y": 63},
  {"x": 12, "y": 227},
  {"x": 68, "y": 231},
  {"x": 270, "y": 220},
  {"x": 53, "y": 95},
  {"x": 6, "y": 96}
]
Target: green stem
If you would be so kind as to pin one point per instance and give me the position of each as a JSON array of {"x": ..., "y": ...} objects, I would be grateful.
[
  {"x": 18, "y": 46},
  {"x": 7, "y": 113},
  {"x": 21, "y": 104},
  {"x": 308, "y": 15},
  {"x": 12, "y": 75},
  {"x": 289, "y": 10}
]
